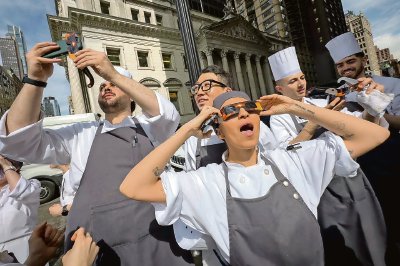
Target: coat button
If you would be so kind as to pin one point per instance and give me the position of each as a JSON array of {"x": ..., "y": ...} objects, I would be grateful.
[
  {"x": 242, "y": 179},
  {"x": 266, "y": 171},
  {"x": 296, "y": 196},
  {"x": 285, "y": 183}
]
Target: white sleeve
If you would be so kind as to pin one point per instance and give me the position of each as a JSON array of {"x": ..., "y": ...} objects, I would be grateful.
[
  {"x": 27, "y": 191},
  {"x": 34, "y": 144},
  {"x": 324, "y": 157},
  {"x": 168, "y": 213},
  {"x": 159, "y": 128},
  {"x": 189, "y": 149},
  {"x": 67, "y": 190},
  {"x": 267, "y": 138},
  {"x": 283, "y": 129}
]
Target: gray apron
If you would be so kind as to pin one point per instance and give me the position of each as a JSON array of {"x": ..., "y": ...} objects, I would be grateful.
[
  {"x": 351, "y": 220},
  {"x": 209, "y": 154},
  {"x": 276, "y": 229},
  {"x": 125, "y": 229}
]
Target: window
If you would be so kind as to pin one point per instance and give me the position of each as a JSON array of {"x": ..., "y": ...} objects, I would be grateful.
[
  {"x": 167, "y": 60},
  {"x": 147, "y": 17},
  {"x": 114, "y": 55},
  {"x": 143, "y": 58},
  {"x": 135, "y": 14},
  {"x": 173, "y": 97},
  {"x": 159, "y": 20},
  {"x": 105, "y": 7}
]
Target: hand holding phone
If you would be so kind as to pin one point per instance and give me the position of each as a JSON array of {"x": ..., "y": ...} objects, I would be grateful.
[{"x": 212, "y": 121}]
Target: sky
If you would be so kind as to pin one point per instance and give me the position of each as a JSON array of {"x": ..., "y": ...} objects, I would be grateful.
[{"x": 30, "y": 15}]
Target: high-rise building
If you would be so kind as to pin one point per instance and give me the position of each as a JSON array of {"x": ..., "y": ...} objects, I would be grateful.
[
  {"x": 51, "y": 106},
  {"x": 10, "y": 55},
  {"x": 383, "y": 55},
  {"x": 306, "y": 24},
  {"x": 360, "y": 27},
  {"x": 10, "y": 86},
  {"x": 15, "y": 31}
]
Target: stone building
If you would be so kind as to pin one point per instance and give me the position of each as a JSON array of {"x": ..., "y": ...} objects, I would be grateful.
[
  {"x": 10, "y": 86},
  {"x": 143, "y": 36},
  {"x": 360, "y": 27}
]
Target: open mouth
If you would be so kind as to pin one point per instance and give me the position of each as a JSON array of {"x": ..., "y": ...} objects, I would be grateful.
[{"x": 247, "y": 129}]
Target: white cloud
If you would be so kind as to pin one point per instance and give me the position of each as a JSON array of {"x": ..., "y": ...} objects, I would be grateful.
[
  {"x": 363, "y": 5},
  {"x": 389, "y": 41}
]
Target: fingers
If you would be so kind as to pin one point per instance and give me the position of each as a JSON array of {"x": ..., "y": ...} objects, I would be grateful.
[
  {"x": 39, "y": 229},
  {"x": 80, "y": 232},
  {"x": 339, "y": 106}
]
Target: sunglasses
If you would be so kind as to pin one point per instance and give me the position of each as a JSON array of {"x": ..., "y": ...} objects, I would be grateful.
[
  {"x": 206, "y": 86},
  {"x": 234, "y": 109}
]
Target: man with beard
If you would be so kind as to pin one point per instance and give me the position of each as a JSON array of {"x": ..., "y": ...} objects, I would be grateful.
[
  {"x": 102, "y": 153},
  {"x": 380, "y": 165}
]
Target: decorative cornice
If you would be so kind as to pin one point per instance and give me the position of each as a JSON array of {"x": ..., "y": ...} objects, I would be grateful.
[{"x": 78, "y": 18}]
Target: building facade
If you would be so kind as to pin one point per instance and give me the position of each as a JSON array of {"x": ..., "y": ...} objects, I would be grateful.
[
  {"x": 308, "y": 25},
  {"x": 10, "y": 55},
  {"x": 360, "y": 27},
  {"x": 51, "y": 106},
  {"x": 18, "y": 35},
  {"x": 10, "y": 86},
  {"x": 143, "y": 37}
]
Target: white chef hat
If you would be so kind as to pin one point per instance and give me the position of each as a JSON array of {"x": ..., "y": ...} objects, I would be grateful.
[
  {"x": 284, "y": 63},
  {"x": 123, "y": 72},
  {"x": 343, "y": 46}
]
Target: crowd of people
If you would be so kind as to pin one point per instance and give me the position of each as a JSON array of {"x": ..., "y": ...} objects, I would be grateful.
[{"x": 314, "y": 184}]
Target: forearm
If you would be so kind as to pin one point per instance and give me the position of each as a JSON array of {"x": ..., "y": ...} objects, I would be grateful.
[
  {"x": 143, "y": 96},
  {"x": 141, "y": 182},
  {"x": 359, "y": 135},
  {"x": 25, "y": 110},
  {"x": 306, "y": 133},
  {"x": 393, "y": 120}
]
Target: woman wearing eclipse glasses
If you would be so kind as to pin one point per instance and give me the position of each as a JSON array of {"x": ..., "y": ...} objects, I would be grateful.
[{"x": 259, "y": 207}]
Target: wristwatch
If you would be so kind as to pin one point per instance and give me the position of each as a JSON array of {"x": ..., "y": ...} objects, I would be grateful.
[
  {"x": 11, "y": 167},
  {"x": 64, "y": 211},
  {"x": 37, "y": 83}
]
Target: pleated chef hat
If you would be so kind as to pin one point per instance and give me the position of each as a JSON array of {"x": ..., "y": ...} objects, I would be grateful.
[
  {"x": 343, "y": 46},
  {"x": 284, "y": 63}
]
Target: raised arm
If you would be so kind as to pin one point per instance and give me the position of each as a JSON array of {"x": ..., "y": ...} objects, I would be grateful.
[
  {"x": 100, "y": 63},
  {"x": 143, "y": 181},
  {"x": 25, "y": 110},
  {"x": 12, "y": 176},
  {"x": 360, "y": 136}
]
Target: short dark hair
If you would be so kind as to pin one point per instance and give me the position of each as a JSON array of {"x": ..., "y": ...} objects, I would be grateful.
[{"x": 223, "y": 76}]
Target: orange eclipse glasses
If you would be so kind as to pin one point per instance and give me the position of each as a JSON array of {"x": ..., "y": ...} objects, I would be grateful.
[{"x": 232, "y": 110}]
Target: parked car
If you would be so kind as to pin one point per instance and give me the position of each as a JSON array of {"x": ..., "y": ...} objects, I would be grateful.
[{"x": 51, "y": 179}]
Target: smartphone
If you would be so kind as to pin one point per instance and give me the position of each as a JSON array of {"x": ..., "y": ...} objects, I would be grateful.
[
  {"x": 63, "y": 50},
  {"x": 212, "y": 121}
]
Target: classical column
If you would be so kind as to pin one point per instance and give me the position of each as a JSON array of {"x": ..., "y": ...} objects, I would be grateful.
[
  {"x": 224, "y": 54},
  {"x": 260, "y": 76},
  {"x": 239, "y": 71},
  {"x": 209, "y": 56},
  {"x": 268, "y": 76},
  {"x": 76, "y": 88},
  {"x": 251, "y": 77}
]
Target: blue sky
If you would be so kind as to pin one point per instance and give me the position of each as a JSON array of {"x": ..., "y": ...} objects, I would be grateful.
[{"x": 30, "y": 15}]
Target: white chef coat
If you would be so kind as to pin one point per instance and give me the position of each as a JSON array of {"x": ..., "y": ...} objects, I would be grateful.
[
  {"x": 67, "y": 190},
  {"x": 71, "y": 144},
  {"x": 198, "y": 198},
  {"x": 18, "y": 216},
  {"x": 285, "y": 129}
]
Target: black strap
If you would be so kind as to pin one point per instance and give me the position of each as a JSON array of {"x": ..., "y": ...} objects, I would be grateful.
[{"x": 33, "y": 82}]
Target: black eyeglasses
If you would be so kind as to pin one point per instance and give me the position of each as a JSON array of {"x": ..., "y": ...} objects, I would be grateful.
[{"x": 206, "y": 86}]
